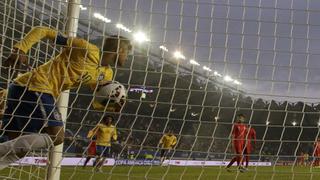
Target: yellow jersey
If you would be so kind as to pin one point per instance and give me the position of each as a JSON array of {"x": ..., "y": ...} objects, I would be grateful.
[
  {"x": 76, "y": 65},
  {"x": 103, "y": 134},
  {"x": 168, "y": 141}
]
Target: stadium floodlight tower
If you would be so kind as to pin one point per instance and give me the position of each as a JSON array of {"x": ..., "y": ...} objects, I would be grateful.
[{"x": 55, "y": 156}]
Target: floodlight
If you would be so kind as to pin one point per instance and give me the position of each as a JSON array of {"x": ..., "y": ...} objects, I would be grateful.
[
  {"x": 192, "y": 61},
  {"x": 140, "y": 37},
  {"x": 164, "y": 48},
  {"x": 294, "y": 123},
  {"x": 122, "y": 27},
  {"x": 178, "y": 55},
  {"x": 101, "y": 17},
  {"x": 217, "y": 74},
  {"x": 227, "y": 78},
  {"x": 237, "y": 82},
  {"x": 206, "y": 68}
]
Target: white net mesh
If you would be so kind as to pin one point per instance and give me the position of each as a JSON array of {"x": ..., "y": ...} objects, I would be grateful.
[{"x": 194, "y": 66}]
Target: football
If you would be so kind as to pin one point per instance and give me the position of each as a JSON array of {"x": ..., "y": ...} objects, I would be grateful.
[{"x": 111, "y": 92}]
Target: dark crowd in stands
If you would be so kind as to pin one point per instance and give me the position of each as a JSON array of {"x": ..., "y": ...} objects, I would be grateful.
[{"x": 199, "y": 109}]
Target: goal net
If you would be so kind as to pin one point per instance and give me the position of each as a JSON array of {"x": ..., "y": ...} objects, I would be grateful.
[{"x": 194, "y": 67}]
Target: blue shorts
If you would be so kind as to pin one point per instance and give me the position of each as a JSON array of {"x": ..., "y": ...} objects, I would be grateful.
[
  {"x": 29, "y": 111},
  {"x": 103, "y": 151}
]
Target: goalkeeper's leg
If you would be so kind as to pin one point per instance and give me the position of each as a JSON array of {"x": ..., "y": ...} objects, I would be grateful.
[{"x": 18, "y": 147}]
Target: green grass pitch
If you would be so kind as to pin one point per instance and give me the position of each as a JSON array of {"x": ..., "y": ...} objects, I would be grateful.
[{"x": 166, "y": 173}]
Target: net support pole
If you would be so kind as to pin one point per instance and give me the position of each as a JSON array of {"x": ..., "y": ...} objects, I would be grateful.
[{"x": 55, "y": 156}]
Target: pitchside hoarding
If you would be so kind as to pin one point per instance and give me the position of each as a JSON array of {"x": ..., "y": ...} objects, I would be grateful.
[{"x": 42, "y": 161}]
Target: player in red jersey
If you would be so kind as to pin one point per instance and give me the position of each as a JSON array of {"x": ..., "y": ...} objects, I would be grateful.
[
  {"x": 239, "y": 136},
  {"x": 91, "y": 153},
  {"x": 317, "y": 153},
  {"x": 251, "y": 136}
]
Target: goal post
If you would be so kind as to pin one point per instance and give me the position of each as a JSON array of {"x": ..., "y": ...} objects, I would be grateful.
[{"x": 56, "y": 154}]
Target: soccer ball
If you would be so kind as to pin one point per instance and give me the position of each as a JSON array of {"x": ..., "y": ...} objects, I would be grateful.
[{"x": 111, "y": 92}]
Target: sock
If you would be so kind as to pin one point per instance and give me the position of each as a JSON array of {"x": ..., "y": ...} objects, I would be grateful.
[
  {"x": 238, "y": 160},
  {"x": 232, "y": 161},
  {"x": 7, "y": 160},
  {"x": 24, "y": 144},
  {"x": 247, "y": 161},
  {"x": 86, "y": 161}
]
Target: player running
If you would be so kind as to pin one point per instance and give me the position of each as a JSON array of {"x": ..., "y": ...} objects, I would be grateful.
[
  {"x": 239, "y": 136},
  {"x": 104, "y": 132},
  {"x": 251, "y": 136},
  {"x": 317, "y": 153},
  {"x": 168, "y": 141},
  {"x": 91, "y": 152},
  {"x": 31, "y": 120}
]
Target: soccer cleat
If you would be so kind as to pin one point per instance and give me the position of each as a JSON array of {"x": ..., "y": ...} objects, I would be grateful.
[
  {"x": 98, "y": 170},
  {"x": 227, "y": 169},
  {"x": 242, "y": 169}
]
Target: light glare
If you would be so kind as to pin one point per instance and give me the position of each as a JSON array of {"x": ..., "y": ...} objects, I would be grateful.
[
  {"x": 192, "y": 61},
  {"x": 122, "y": 27},
  {"x": 140, "y": 37},
  {"x": 178, "y": 55},
  {"x": 217, "y": 74},
  {"x": 206, "y": 68},
  {"x": 101, "y": 17},
  {"x": 83, "y": 8},
  {"x": 237, "y": 82},
  {"x": 227, "y": 78},
  {"x": 164, "y": 48}
]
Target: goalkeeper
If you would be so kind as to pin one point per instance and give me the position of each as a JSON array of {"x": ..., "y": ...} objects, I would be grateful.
[{"x": 31, "y": 119}]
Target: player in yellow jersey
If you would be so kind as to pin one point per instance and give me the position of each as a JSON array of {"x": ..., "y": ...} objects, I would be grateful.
[
  {"x": 105, "y": 133},
  {"x": 168, "y": 141},
  {"x": 31, "y": 119}
]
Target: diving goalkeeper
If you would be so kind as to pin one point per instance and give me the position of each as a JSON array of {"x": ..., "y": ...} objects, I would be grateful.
[{"x": 31, "y": 119}]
